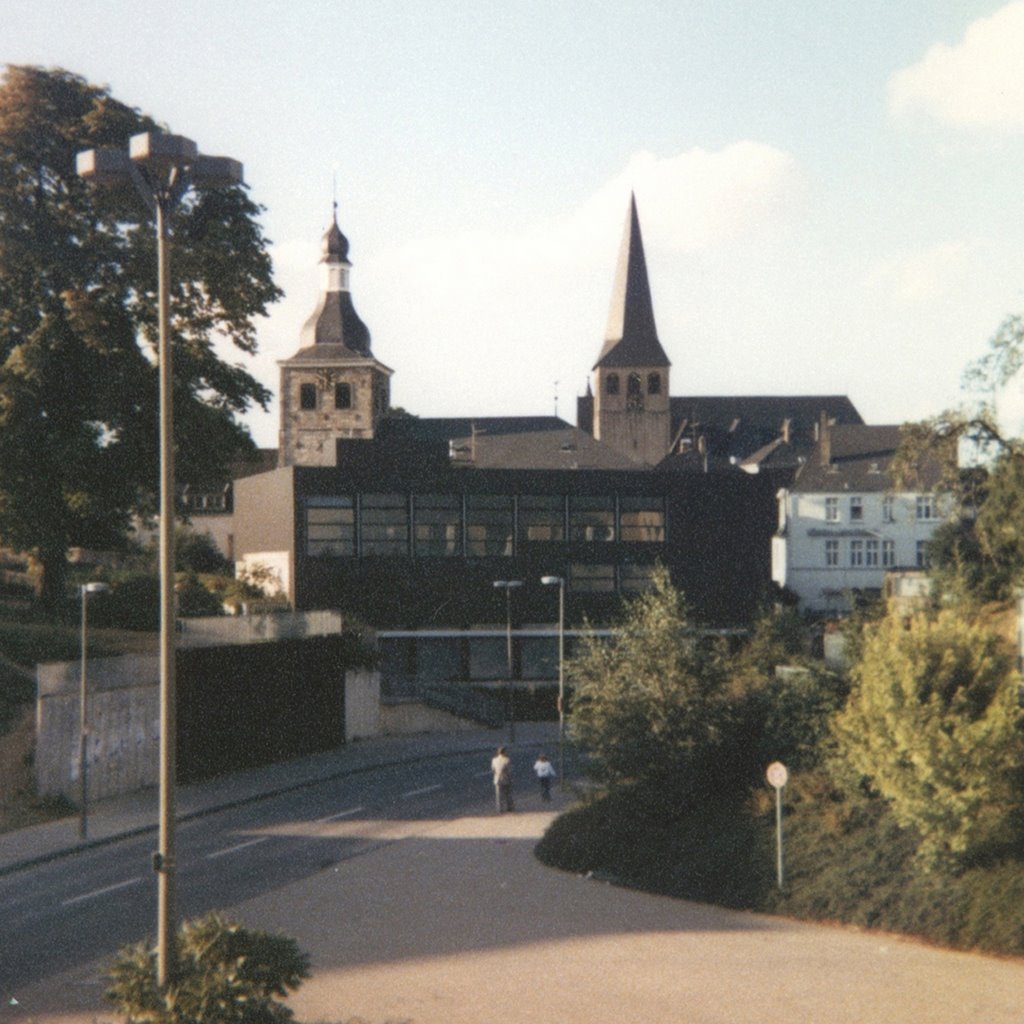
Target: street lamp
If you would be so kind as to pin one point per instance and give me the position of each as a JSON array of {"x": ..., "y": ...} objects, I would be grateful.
[
  {"x": 508, "y": 586},
  {"x": 559, "y": 581},
  {"x": 83, "y": 719},
  {"x": 163, "y": 168}
]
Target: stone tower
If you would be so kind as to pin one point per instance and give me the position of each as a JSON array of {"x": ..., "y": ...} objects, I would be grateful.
[
  {"x": 631, "y": 376},
  {"x": 332, "y": 387}
]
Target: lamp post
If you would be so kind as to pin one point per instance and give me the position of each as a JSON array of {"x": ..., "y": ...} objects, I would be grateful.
[
  {"x": 508, "y": 586},
  {"x": 83, "y": 719},
  {"x": 559, "y": 581},
  {"x": 163, "y": 168}
]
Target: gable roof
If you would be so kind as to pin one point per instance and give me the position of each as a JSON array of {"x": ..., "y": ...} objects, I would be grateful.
[{"x": 857, "y": 457}]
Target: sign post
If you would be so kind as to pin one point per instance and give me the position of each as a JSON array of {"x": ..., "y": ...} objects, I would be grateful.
[{"x": 778, "y": 776}]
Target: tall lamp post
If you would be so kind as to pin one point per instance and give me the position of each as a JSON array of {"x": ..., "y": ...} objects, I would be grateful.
[
  {"x": 508, "y": 586},
  {"x": 559, "y": 581},
  {"x": 83, "y": 718},
  {"x": 163, "y": 168}
]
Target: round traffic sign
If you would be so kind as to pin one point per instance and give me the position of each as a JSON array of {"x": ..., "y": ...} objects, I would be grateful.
[{"x": 777, "y": 774}]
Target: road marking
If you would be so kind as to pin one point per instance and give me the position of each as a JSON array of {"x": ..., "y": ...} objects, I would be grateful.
[
  {"x": 100, "y": 892},
  {"x": 235, "y": 849},
  {"x": 340, "y": 814},
  {"x": 420, "y": 792}
]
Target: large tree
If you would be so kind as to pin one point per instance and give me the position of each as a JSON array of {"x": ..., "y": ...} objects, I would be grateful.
[
  {"x": 932, "y": 725},
  {"x": 649, "y": 702},
  {"x": 78, "y": 325}
]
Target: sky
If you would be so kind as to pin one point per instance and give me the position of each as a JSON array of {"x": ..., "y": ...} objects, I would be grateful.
[{"x": 830, "y": 194}]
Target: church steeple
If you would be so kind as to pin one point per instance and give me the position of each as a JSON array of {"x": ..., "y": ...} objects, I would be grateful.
[
  {"x": 631, "y": 408},
  {"x": 632, "y": 337},
  {"x": 332, "y": 388},
  {"x": 335, "y": 320}
]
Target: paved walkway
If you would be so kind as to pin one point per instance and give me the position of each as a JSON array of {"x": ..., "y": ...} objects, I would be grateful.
[{"x": 459, "y": 924}]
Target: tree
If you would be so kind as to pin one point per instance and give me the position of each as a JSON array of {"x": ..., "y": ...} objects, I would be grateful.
[
  {"x": 225, "y": 974},
  {"x": 932, "y": 725},
  {"x": 649, "y": 702},
  {"x": 78, "y": 326}
]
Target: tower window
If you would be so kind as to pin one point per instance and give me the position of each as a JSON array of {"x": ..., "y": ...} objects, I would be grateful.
[
  {"x": 654, "y": 384},
  {"x": 611, "y": 384},
  {"x": 307, "y": 396},
  {"x": 342, "y": 396},
  {"x": 634, "y": 393}
]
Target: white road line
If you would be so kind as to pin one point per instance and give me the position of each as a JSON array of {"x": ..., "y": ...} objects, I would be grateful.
[
  {"x": 340, "y": 814},
  {"x": 420, "y": 792},
  {"x": 100, "y": 892},
  {"x": 235, "y": 849}
]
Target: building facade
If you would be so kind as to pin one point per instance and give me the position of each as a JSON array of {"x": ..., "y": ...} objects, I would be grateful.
[{"x": 843, "y": 525}]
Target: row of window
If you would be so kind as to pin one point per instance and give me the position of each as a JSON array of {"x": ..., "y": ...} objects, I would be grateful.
[
  {"x": 342, "y": 396},
  {"x": 872, "y": 553},
  {"x": 634, "y": 384},
  {"x": 432, "y": 525},
  {"x": 924, "y": 508}
]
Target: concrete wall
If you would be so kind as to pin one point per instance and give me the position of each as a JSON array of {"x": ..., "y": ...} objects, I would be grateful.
[
  {"x": 362, "y": 705},
  {"x": 123, "y": 714},
  {"x": 123, "y": 747},
  {"x": 410, "y": 718}
]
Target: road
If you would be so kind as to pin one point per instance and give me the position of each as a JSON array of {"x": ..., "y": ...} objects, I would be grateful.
[
  {"x": 67, "y": 913},
  {"x": 417, "y": 903}
]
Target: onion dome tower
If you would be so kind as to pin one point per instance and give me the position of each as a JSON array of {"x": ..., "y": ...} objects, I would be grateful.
[{"x": 333, "y": 387}]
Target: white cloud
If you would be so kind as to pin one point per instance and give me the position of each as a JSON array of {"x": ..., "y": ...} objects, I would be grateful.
[
  {"x": 978, "y": 83},
  {"x": 916, "y": 278}
]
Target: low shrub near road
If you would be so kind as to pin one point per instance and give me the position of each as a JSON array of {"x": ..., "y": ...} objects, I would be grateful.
[{"x": 845, "y": 860}]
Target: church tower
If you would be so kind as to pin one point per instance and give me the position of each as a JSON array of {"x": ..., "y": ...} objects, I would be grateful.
[
  {"x": 332, "y": 387},
  {"x": 631, "y": 404}
]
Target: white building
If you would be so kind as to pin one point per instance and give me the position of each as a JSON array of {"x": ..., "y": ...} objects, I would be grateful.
[{"x": 842, "y": 526}]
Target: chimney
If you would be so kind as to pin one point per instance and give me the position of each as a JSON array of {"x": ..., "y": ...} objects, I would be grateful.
[
  {"x": 786, "y": 427},
  {"x": 825, "y": 440}
]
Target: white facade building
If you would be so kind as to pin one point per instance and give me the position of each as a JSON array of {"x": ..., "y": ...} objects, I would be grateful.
[{"x": 842, "y": 527}]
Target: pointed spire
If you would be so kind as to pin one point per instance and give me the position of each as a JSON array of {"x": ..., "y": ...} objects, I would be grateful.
[{"x": 632, "y": 337}]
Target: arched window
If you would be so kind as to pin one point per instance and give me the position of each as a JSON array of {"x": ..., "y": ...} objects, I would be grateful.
[
  {"x": 634, "y": 392},
  {"x": 611, "y": 384},
  {"x": 654, "y": 384}
]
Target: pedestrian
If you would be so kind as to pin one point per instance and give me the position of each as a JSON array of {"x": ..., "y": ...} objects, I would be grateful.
[
  {"x": 545, "y": 772},
  {"x": 501, "y": 769}
]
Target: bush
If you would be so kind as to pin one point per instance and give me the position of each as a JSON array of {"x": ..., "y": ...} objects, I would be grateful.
[
  {"x": 932, "y": 725},
  {"x": 225, "y": 974}
]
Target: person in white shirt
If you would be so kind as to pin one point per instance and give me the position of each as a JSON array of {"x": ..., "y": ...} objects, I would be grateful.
[
  {"x": 501, "y": 769},
  {"x": 545, "y": 772}
]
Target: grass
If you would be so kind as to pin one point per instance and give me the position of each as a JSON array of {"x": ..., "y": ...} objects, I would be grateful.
[{"x": 844, "y": 862}]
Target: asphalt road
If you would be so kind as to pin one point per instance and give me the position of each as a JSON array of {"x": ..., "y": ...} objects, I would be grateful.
[
  {"x": 65, "y": 914},
  {"x": 417, "y": 903}
]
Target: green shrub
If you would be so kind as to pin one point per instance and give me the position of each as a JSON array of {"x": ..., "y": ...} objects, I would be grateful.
[{"x": 225, "y": 974}]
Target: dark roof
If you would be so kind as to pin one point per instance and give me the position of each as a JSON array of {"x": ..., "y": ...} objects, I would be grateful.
[
  {"x": 490, "y": 442},
  {"x": 335, "y": 322},
  {"x": 632, "y": 337},
  {"x": 736, "y": 426},
  {"x": 856, "y": 457}
]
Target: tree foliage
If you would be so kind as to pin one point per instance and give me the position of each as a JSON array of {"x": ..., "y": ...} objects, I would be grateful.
[
  {"x": 78, "y": 325},
  {"x": 225, "y": 974},
  {"x": 932, "y": 725},
  {"x": 649, "y": 703}
]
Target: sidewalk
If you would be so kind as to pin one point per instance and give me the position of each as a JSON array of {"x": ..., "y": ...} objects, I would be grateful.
[{"x": 137, "y": 813}]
